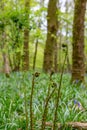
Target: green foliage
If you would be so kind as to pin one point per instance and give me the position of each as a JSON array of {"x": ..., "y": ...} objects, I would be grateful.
[
  {"x": 1, "y": 25},
  {"x": 72, "y": 105}
]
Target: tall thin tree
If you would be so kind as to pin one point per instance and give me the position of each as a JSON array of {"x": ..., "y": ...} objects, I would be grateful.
[
  {"x": 26, "y": 37},
  {"x": 4, "y": 45},
  {"x": 56, "y": 43},
  {"x": 67, "y": 32},
  {"x": 78, "y": 67},
  {"x": 41, "y": 4}
]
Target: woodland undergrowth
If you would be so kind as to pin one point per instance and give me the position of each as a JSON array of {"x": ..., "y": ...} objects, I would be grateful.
[{"x": 15, "y": 94}]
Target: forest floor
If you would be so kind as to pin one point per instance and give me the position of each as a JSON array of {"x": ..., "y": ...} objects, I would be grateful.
[{"x": 72, "y": 103}]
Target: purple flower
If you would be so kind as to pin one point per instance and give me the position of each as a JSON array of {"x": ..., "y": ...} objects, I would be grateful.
[{"x": 77, "y": 103}]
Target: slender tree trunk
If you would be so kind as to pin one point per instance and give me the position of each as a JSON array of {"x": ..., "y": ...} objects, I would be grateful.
[
  {"x": 6, "y": 65},
  {"x": 36, "y": 43},
  {"x": 60, "y": 52},
  {"x": 17, "y": 54},
  {"x": 78, "y": 68},
  {"x": 26, "y": 50},
  {"x": 67, "y": 41},
  {"x": 51, "y": 36},
  {"x": 35, "y": 54},
  {"x": 56, "y": 46},
  {"x": 56, "y": 57},
  {"x": 26, "y": 38}
]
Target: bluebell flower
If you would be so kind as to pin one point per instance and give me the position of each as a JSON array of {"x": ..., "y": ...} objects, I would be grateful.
[{"x": 78, "y": 105}]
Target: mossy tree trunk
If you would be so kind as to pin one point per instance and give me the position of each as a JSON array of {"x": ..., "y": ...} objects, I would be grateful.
[
  {"x": 52, "y": 25},
  {"x": 26, "y": 37},
  {"x": 78, "y": 67}
]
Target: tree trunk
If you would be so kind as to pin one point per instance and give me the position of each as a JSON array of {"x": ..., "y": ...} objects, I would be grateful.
[
  {"x": 56, "y": 46},
  {"x": 35, "y": 54},
  {"x": 60, "y": 51},
  {"x": 37, "y": 39},
  {"x": 6, "y": 65},
  {"x": 67, "y": 40},
  {"x": 26, "y": 38},
  {"x": 56, "y": 57},
  {"x": 51, "y": 35},
  {"x": 78, "y": 68},
  {"x": 17, "y": 54}
]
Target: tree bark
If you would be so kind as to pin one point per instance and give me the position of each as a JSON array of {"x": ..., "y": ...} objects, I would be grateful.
[
  {"x": 56, "y": 57},
  {"x": 66, "y": 40},
  {"x": 51, "y": 35},
  {"x": 6, "y": 65},
  {"x": 26, "y": 38},
  {"x": 56, "y": 46},
  {"x": 78, "y": 67}
]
